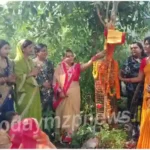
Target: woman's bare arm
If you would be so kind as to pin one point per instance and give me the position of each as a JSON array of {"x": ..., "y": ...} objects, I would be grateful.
[
  {"x": 139, "y": 78},
  {"x": 90, "y": 62}
]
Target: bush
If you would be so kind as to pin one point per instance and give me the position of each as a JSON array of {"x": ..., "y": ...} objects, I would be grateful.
[
  {"x": 109, "y": 138},
  {"x": 114, "y": 138}
]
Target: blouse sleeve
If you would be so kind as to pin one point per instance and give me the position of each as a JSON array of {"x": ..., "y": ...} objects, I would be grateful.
[{"x": 143, "y": 64}]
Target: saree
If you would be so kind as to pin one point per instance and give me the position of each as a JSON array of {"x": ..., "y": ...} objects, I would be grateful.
[
  {"x": 46, "y": 74},
  {"x": 26, "y": 134},
  {"x": 66, "y": 80},
  {"x": 6, "y": 90},
  {"x": 130, "y": 69},
  {"x": 144, "y": 139},
  {"x": 28, "y": 103}
]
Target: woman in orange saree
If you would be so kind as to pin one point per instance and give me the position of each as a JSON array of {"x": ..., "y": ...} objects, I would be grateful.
[
  {"x": 26, "y": 134},
  {"x": 144, "y": 139},
  {"x": 67, "y": 94}
]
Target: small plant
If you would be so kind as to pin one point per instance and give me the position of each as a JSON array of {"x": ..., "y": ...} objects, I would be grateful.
[
  {"x": 114, "y": 138},
  {"x": 109, "y": 138},
  {"x": 122, "y": 103},
  {"x": 84, "y": 133},
  {"x": 48, "y": 125}
]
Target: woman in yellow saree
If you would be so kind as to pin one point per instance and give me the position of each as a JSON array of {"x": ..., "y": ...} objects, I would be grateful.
[
  {"x": 144, "y": 139},
  {"x": 67, "y": 94},
  {"x": 28, "y": 102}
]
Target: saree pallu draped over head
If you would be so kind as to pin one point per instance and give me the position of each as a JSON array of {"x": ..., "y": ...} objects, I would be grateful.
[
  {"x": 66, "y": 80},
  {"x": 27, "y": 135},
  {"x": 28, "y": 103}
]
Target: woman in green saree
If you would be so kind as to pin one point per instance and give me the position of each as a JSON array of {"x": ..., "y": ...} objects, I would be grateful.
[{"x": 28, "y": 103}]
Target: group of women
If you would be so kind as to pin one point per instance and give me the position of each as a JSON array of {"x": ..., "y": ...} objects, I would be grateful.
[
  {"x": 136, "y": 70},
  {"x": 32, "y": 86}
]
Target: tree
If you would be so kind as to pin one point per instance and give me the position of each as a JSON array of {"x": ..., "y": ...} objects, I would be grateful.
[{"x": 70, "y": 24}]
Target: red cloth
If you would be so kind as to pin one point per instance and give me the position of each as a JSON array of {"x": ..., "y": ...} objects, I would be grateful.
[
  {"x": 75, "y": 74},
  {"x": 143, "y": 64},
  {"x": 23, "y": 133},
  {"x": 105, "y": 32}
]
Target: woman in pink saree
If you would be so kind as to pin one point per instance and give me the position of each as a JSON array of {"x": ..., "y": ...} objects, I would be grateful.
[
  {"x": 67, "y": 94},
  {"x": 26, "y": 134}
]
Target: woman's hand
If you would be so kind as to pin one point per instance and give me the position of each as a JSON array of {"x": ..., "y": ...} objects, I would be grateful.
[
  {"x": 67, "y": 59},
  {"x": 128, "y": 80},
  {"x": 120, "y": 78},
  {"x": 11, "y": 79},
  {"x": 47, "y": 85},
  {"x": 3, "y": 80},
  {"x": 98, "y": 55},
  {"x": 101, "y": 54},
  {"x": 35, "y": 72},
  {"x": 62, "y": 95}
]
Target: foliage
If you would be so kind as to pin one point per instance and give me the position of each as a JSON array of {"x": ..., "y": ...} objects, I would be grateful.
[
  {"x": 109, "y": 138},
  {"x": 122, "y": 103},
  {"x": 48, "y": 122},
  {"x": 67, "y": 24},
  {"x": 76, "y": 25},
  {"x": 62, "y": 24},
  {"x": 114, "y": 138},
  {"x": 84, "y": 133}
]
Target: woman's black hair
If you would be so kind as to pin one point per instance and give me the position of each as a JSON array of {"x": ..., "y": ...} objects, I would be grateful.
[
  {"x": 147, "y": 39},
  {"x": 3, "y": 42},
  {"x": 26, "y": 43},
  {"x": 67, "y": 51},
  {"x": 9, "y": 116},
  {"x": 39, "y": 46},
  {"x": 141, "y": 47}
]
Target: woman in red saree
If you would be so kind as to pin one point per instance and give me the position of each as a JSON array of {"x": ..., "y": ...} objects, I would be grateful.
[
  {"x": 26, "y": 134},
  {"x": 67, "y": 94},
  {"x": 144, "y": 73}
]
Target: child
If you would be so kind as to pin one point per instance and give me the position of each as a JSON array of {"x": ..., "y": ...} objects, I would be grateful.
[{"x": 10, "y": 117}]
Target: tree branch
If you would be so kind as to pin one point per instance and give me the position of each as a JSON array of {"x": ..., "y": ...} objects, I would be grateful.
[
  {"x": 107, "y": 11},
  {"x": 114, "y": 11},
  {"x": 99, "y": 16}
]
